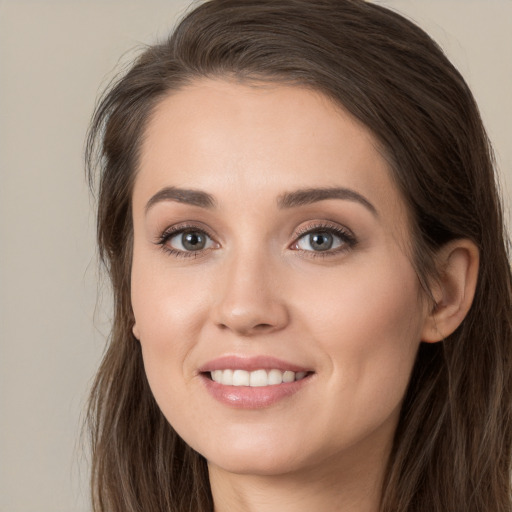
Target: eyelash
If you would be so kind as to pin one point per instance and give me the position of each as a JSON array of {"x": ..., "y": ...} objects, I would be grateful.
[
  {"x": 348, "y": 240},
  {"x": 176, "y": 230}
]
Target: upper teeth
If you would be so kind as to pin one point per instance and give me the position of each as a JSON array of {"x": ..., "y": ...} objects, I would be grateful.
[{"x": 257, "y": 378}]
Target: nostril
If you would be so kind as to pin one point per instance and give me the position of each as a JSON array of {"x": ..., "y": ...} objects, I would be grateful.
[
  {"x": 258, "y": 318},
  {"x": 263, "y": 327},
  {"x": 247, "y": 330}
]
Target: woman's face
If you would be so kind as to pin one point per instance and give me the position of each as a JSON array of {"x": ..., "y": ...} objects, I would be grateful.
[{"x": 272, "y": 251}]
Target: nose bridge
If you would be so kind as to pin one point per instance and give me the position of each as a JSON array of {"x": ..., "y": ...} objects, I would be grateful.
[{"x": 249, "y": 299}]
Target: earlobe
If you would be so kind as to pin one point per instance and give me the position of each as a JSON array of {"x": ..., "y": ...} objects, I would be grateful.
[
  {"x": 135, "y": 331},
  {"x": 453, "y": 292}
]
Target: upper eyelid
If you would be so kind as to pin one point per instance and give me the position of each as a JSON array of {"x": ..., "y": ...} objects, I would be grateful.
[
  {"x": 326, "y": 226},
  {"x": 176, "y": 229}
]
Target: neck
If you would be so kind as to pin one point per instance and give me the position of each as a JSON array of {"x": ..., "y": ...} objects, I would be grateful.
[{"x": 354, "y": 485}]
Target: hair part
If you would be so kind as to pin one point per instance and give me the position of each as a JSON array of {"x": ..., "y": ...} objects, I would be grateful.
[{"x": 452, "y": 448}]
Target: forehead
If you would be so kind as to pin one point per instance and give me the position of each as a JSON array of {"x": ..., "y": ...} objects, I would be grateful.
[{"x": 258, "y": 141}]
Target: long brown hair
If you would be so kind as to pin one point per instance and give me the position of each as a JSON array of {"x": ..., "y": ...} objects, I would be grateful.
[{"x": 452, "y": 448}]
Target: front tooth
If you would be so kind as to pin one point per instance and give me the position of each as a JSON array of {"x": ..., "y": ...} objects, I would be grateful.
[
  {"x": 240, "y": 378},
  {"x": 275, "y": 377},
  {"x": 258, "y": 378},
  {"x": 227, "y": 377},
  {"x": 288, "y": 376}
]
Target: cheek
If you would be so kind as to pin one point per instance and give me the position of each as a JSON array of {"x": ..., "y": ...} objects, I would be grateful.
[
  {"x": 368, "y": 306},
  {"x": 164, "y": 302},
  {"x": 368, "y": 324},
  {"x": 165, "y": 309}
]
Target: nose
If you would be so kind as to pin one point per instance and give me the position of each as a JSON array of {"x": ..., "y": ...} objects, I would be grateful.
[{"x": 250, "y": 299}]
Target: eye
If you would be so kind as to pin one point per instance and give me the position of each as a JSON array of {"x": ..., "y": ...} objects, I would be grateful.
[
  {"x": 319, "y": 241},
  {"x": 185, "y": 241},
  {"x": 189, "y": 241},
  {"x": 325, "y": 239}
]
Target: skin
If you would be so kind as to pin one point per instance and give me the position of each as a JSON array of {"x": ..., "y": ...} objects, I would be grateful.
[{"x": 355, "y": 315}]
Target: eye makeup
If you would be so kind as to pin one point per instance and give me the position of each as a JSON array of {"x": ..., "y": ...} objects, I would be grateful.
[
  {"x": 324, "y": 239},
  {"x": 316, "y": 239},
  {"x": 195, "y": 241}
]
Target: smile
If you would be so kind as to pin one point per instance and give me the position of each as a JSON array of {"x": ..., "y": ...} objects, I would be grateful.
[
  {"x": 253, "y": 382},
  {"x": 257, "y": 378}
]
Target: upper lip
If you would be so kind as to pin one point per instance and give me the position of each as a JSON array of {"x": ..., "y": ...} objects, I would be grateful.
[{"x": 249, "y": 364}]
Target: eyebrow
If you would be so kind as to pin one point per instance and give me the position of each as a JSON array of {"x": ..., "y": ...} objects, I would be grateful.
[
  {"x": 313, "y": 195},
  {"x": 182, "y": 195},
  {"x": 293, "y": 199}
]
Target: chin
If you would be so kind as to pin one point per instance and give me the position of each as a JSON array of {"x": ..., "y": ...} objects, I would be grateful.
[
  {"x": 256, "y": 464},
  {"x": 254, "y": 454}
]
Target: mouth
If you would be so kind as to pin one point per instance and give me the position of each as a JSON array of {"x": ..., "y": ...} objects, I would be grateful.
[
  {"x": 255, "y": 379},
  {"x": 253, "y": 382}
]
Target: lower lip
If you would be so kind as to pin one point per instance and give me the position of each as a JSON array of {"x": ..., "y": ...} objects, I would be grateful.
[{"x": 246, "y": 397}]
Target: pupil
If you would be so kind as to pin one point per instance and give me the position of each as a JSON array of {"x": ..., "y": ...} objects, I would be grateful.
[
  {"x": 321, "y": 241},
  {"x": 193, "y": 241}
]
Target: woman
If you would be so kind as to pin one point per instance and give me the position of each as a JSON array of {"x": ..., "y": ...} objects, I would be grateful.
[{"x": 298, "y": 212}]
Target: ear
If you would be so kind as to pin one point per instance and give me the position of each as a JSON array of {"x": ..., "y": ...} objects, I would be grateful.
[
  {"x": 457, "y": 264},
  {"x": 135, "y": 331}
]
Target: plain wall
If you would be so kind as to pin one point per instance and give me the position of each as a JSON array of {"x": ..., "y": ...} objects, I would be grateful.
[{"x": 54, "y": 56}]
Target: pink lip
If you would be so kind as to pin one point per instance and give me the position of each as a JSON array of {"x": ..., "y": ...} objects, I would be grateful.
[
  {"x": 245, "y": 397},
  {"x": 250, "y": 364}
]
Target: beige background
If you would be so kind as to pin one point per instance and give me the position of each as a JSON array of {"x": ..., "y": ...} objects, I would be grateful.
[{"x": 54, "y": 55}]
